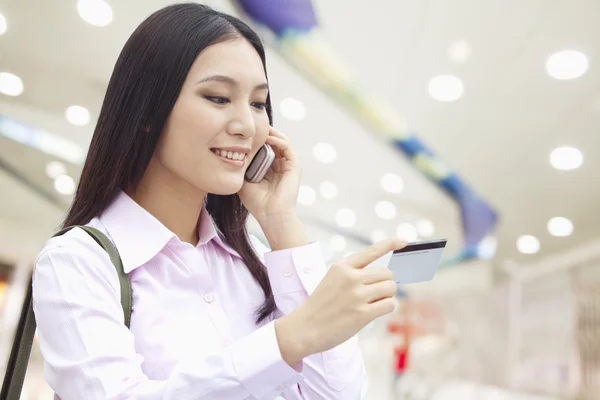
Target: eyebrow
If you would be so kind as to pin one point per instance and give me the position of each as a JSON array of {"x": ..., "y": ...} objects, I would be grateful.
[{"x": 230, "y": 81}]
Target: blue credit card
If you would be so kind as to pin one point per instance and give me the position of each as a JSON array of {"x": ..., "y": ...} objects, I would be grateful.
[{"x": 418, "y": 261}]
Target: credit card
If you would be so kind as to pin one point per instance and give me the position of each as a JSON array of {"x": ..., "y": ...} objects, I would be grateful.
[{"x": 418, "y": 261}]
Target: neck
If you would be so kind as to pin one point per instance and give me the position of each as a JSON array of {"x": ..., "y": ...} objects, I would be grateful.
[{"x": 174, "y": 202}]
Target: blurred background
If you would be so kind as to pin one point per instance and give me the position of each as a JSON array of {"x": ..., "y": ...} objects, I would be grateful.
[{"x": 476, "y": 121}]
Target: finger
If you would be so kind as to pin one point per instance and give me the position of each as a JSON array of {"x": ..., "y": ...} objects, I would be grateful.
[
  {"x": 283, "y": 145},
  {"x": 381, "y": 307},
  {"x": 276, "y": 133},
  {"x": 280, "y": 143},
  {"x": 380, "y": 290},
  {"x": 278, "y": 147},
  {"x": 365, "y": 257},
  {"x": 375, "y": 274}
]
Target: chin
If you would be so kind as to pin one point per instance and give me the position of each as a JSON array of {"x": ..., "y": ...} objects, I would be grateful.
[{"x": 227, "y": 187}]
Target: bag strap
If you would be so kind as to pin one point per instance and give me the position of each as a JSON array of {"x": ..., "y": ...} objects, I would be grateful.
[
  {"x": 19, "y": 355},
  {"x": 21, "y": 348},
  {"x": 115, "y": 258}
]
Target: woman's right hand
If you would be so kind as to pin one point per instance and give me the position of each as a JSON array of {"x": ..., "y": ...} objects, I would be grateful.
[{"x": 348, "y": 298}]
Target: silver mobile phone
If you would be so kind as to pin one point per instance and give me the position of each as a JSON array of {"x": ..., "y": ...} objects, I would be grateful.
[{"x": 260, "y": 164}]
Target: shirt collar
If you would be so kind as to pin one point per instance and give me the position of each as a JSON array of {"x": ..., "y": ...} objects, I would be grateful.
[{"x": 139, "y": 236}]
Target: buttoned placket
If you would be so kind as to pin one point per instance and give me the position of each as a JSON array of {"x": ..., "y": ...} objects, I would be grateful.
[{"x": 206, "y": 289}]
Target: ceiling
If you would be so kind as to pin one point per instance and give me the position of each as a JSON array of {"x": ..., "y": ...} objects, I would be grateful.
[{"x": 498, "y": 136}]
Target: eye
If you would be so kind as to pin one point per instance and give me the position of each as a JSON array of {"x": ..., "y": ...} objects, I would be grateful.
[
  {"x": 218, "y": 99},
  {"x": 259, "y": 105}
]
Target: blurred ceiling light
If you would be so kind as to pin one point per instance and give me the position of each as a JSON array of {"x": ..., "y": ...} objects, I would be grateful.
[
  {"x": 385, "y": 209},
  {"x": 292, "y": 109},
  {"x": 566, "y": 158},
  {"x": 560, "y": 227},
  {"x": 459, "y": 51},
  {"x": 10, "y": 84},
  {"x": 406, "y": 231},
  {"x": 328, "y": 189},
  {"x": 338, "y": 243},
  {"x": 446, "y": 88},
  {"x": 306, "y": 195},
  {"x": 95, "y": 12},
  {"x": 77, "y": 115},
  {"x": 528, "y": 244},
  {"x": 64, "y": 184},
  {"x": 3, "y": 24},
  {"x": 487, "y": 247},
  {"x": 392, "y": 183},
  {"x": 567, "y": 64},
  {"x": 378, "y": 235},
  {"x": 325, "y": 153},
  {"x": 425, "y": 228},
  {"x": 345, "y": 217},
  {"x": 54, "y": 169}
]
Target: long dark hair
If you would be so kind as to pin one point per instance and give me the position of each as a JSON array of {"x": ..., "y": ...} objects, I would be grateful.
[{"x": 142, "y": 91}]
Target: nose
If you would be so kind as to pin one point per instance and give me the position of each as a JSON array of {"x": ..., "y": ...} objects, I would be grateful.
[{"x": 242, "y": 123}]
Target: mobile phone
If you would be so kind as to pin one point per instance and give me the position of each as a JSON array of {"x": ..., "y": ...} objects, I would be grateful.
[
  {"x": 417, "y": 261},
  {"x": 260, "y": 164}
]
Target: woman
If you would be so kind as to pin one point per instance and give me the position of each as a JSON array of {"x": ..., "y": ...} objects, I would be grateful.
[{"x": 186, "y": 109}]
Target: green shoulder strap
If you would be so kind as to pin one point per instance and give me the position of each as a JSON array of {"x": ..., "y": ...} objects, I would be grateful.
[{"x": 21, "y": 349}]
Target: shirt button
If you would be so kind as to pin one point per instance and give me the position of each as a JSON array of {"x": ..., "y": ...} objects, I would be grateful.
[
  {"x": 209, "y": 297},
  {"x": 287, "y": 273},
  {"x": 227, "y": 343},
  {"x": 280, "y": 388},
  {"x": 307, "y": 270}
]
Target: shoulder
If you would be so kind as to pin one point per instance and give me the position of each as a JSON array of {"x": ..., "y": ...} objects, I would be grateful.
[
  {"x": 74, "y": 241},
  {"x": 74, "y": 254}
]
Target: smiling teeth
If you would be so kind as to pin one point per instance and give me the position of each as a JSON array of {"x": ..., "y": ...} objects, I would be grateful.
[{"x": 230, "y": 154}]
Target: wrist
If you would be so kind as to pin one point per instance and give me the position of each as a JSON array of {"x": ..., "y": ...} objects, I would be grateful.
[
  {"x": 291, "y": 339},
  {"x": 283, "y": 231},
  {"x": 273, "y": 217}
]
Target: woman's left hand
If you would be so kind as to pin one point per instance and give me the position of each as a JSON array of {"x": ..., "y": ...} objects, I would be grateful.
[{"x": 274, "y": 198}]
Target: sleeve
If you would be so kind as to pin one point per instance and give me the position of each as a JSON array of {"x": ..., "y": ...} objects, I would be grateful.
[
  {"x": 90, "y": 354},
  {"x": 338, "y": 373}
]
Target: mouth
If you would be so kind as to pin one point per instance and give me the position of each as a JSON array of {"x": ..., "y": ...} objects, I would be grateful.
[{"x": 236, "y": 158}]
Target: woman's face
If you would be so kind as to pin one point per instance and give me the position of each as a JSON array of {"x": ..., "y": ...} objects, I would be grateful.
[{"x": 219, "y": 120}]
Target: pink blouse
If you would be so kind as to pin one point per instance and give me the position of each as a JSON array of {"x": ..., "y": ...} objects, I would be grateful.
[{"x": 193, "y": 333}]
